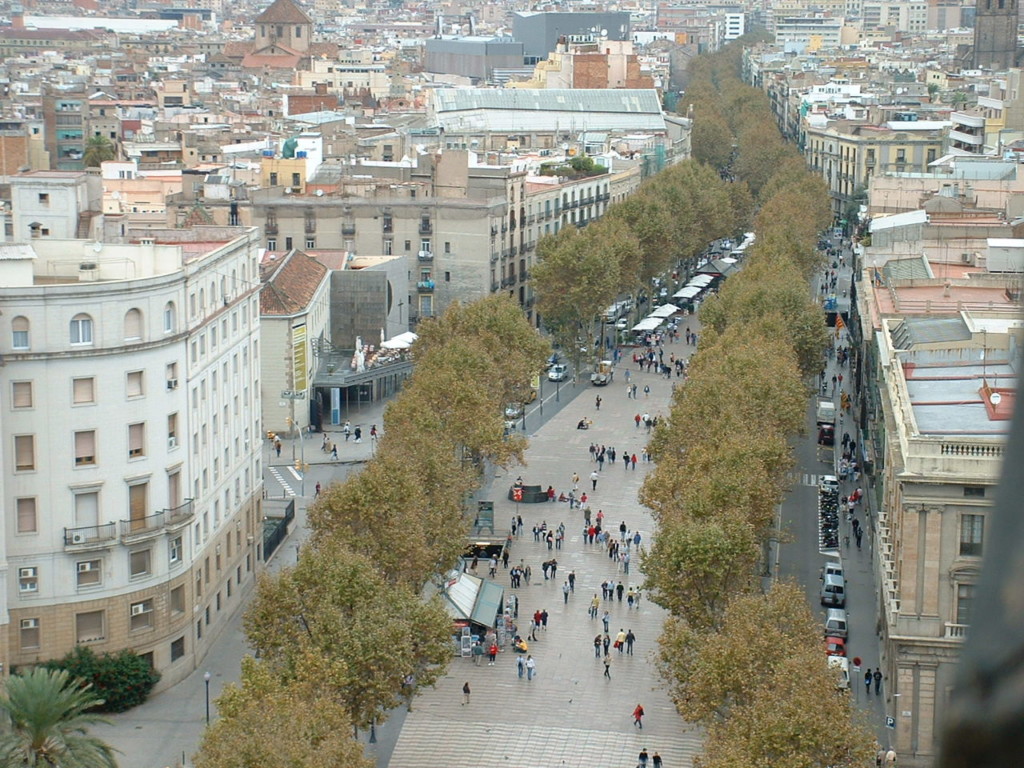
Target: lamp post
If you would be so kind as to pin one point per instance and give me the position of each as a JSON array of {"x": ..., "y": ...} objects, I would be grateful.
[{"x": 206, "y": 679}]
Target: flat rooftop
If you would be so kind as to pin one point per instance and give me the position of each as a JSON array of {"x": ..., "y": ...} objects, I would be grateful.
[{"x": 954, "y": 400}]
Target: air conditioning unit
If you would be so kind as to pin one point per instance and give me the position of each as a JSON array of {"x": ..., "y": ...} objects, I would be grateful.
[
  {"x": 172, "y": 384},
  {"x": 27, "y": 573},
  {"x": 78, "y": 538},
  {"x": 30, "y": 623},
  {"x": 85, "y": 567},
  {"x": 138, "y": 609},
  {"x": 172, "y": 442}
]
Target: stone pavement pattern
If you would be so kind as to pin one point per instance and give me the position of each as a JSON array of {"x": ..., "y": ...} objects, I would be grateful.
[{"x": 569, "y": 715}]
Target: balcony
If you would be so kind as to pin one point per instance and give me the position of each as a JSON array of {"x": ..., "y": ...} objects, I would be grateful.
[
  {"x": 956, "y": 631},
  {"x": 426, "y": 228},
  {"x": 180, "y": 515},
  {"x": 270, "y": 228},
  {"x": 90, "y": 536},
  {"x": 495, "y": 287},
  {"x": 310, "y": 226},
  {"x": 425, "y": 256},
  {"x": 348, "y": 229},
  {"x": 142, "y": 527},
  {"x": 425, "y": 286}
]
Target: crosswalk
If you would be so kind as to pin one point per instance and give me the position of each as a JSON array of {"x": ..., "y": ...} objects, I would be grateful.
[
  {"x": 805, "y": 479},
  {"x": 276, "y": 474}
]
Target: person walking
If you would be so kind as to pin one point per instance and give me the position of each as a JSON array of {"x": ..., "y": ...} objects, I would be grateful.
[
  {"x": 878, "y": 682},
  {"x": 867, "y": 680},
  {"x": 597, "y": 646},
  {"x": 465, "y": 693},
  {"x": 492, "y": 654},
  {"x": 597, "y": 403},
  {"x": 656, "y": 759},
  {"x": 594, "y": 605},
  {"x": 619, "y": 589},
  {"x": 593, "y": 481},
  {"x": 630, "y": 639},
  {"x": 478, "y": 652},
  {"x": 531, "y": 668},
  {"x": 572, "y": 581},
  {"x": 638, "y": 717},
  {"x": 633, "y": 461},
  {"x": 606, "y": 642},
  {"x": 605, "y": 618},
  {"x": 608, "y": 666},
  {"x": 620, "y": 641},
  {"x": 565, "y": 593},
  {"x": 520, "y": 666},
  {"x": 641, "y": 759}
]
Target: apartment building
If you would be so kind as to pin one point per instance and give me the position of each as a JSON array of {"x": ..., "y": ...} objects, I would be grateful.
[{"x": 131, "y": 435}]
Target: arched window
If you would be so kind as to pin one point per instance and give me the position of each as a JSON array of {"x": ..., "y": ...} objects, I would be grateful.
[
  {"x": 132, "y": 325},
  {"x": 170, "y": 321},
  {"x": 81, "y": 329},
  {"x": 202, "y": 301},
  {"x": 19, "y": 333}
]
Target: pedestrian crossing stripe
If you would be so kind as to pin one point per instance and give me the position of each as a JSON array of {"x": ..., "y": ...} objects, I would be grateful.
[
  {"x": 277, "y": 476},
  {"x": 805, "y": 479}
]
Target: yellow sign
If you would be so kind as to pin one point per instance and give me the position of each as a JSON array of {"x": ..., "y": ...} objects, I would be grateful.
[{"x": 299, "y": 382}]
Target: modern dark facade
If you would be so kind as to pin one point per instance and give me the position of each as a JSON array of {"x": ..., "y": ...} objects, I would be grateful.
[
  {"x": 539, "y": 32},
  {"x": 475, "y": 57},
  {"x": 995, "y": 34}
]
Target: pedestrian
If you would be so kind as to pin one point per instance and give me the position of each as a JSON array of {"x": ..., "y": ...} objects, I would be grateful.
[
  {"x": 867, "y": 680},
  {"x": 597, "y": 646},
  {"x": 531, "y": 667},
  {"x": 575, "y": 481},
  {"x": 637, "y": 420},
  {"x": 620, "y": 641},
  {"x": 492, "y": 654},
  {"x": 619, "y": 589},
  {"x": 597, "y": 403},
  {"x": 373, "y": 432},
  {"x": 334, "y": 451},
  {"x": 277, "y": 446},
  {"x": 520, "y": 666},
  {"x": 878, "y": 682},
  {"x": 607, "y": 666},
  {"x": 890, "y": 758},
  {"x": 593, "y": 481},
  {"x": 636, "y": 540},
  {"x": 478, "y": 652},
  {"x": 347, "y": 430},
  {"x": 565, "y": 593},
  {"x": 656, "y": 758},
  {"x": 641, "y": 759},
  {"x": 638, "y": 717},
  {"x": 633, "y": 460},
  {"x": 544, "y": 619},
  {"x": 594, "y": 604},
  {"x": 630, "y": 639},
  {"x": 572, "y": 581},
  {"x": 357, "y": 433},
  {"x": 465, "y": 693},
  {"x": 647, "y": 390},
  {"x": 317, "y": 492},
  {"x": 605, "y": 619},
  {"x": 606, "y": 643}
]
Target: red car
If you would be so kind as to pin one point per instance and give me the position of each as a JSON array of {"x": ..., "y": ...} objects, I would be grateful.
[{"x": 835, "y": 646}]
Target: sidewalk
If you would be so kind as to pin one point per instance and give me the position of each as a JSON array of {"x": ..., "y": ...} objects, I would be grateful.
[
  {"x": 165, "y": 731},
  {"x": 570, "y": 715}
]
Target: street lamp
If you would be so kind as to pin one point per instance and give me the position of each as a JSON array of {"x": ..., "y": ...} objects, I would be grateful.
[{"x": 206, "y": 679}]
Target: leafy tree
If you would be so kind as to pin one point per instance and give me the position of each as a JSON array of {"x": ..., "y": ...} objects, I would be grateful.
[
  {"x": 370, "y": 634},
  {"x": 711, "y": 140},
  {"x": 47, "y": 721},
  {"x": 695, "y": 567},
  {"x": 267, "y": 722},
  {"x": 122, "y": 679},
  {"x": 796, "y": 717},
  {"x": 98, "y": 150}
]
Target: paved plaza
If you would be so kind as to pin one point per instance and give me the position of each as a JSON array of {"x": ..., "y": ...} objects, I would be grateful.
[{"x": 569, "y": 715}]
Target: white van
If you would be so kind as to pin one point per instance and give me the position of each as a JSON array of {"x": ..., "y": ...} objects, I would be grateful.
[
  {"x": 832, "y": 568},
  {"x": 833, "y": 591},
  {"x": 835, "y": 623},
  {"x": 843, "y": 665}
]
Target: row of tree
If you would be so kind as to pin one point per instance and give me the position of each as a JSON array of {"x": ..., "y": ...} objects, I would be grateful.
[
  {"x": 747, "y": 664},
  {"x": 345, "y": 635}
]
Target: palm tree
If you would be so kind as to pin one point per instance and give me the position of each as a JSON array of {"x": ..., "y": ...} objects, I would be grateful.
[
  {"x": 45, "y": 723},
  {"x": 98, "y": 149}
]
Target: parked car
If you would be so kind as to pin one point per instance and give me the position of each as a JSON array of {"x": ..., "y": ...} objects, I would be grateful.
[
  {"x": 558, "y": 372},
  {"x": 621, "y": 324},
  {"x": 843, "y": 665},
  {"x": 835, "y": 623},
  {"x": 833, "y": 591},
  {"x": 513, "y": 410},
  {"x": 835, "y": 646}
]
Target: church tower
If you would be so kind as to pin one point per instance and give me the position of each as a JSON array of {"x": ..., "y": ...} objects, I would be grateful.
[
  {"x": 284, "y": 23},
  {"x": 995, "y": 34}
]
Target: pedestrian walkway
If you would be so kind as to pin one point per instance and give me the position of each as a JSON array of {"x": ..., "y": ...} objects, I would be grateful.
[
  {"x": 569, "y": 715},
  {"x": 165, "y": 731}
]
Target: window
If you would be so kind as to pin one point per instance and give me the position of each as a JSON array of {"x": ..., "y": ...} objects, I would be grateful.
[
  {"x": 89, "y": 573},
  {"x": 24, "y": 453},
  {"x": 28, "y": 580},
  {"x": 44, "y": 198},
  {"x": 178, "y": 599},
  {"x": 29, "y": 634},
  {"x": 19, "y": 333},
  {"x": 137, "y": 495},
  {"x": 172, "y": 431},
  {"x": 974, "y": 491},
  {"x": 971, "y": 530},
  {"x": 141, "y": 615},
  {"x": 21, "y": 394},
  {"x": 134, "y": 384},
  {"x": 177, "y": 647},
  {"x": 311, "y": 242},
  {"x": 964, "y": 603},
  {"x": 85, "y": 448},
  {"x": 89, "y": 626},
  {"x": 132, "y": 325},
  {"x": 174, "y": 550},
  {"x": 271, "y": 243},
  {"x": 83, "y": 391},
  {"x": 27, "y": 522},
  {"x": 170, "y": 319},
  {"x": 87, "y": 509},
  {"x": 81, "y": 329},
  {"x": 136, "y": 440},
  {"x": 138, "y": 563},
  {"x": 172, "y": 376}
]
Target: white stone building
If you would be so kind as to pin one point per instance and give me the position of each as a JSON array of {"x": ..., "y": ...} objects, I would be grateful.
[{"x": 130, "y": 433}]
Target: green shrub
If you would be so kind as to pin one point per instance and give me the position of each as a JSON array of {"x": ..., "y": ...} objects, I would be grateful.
[{"x": 123, "y": 679}]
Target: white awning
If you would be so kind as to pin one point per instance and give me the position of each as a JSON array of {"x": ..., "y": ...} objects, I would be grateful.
[
  {"x": 689, "y": 292},
  {"x": 665, "y": 310},
  {"x": 701, "y": 281},
  {"x": 401, "y": 341},
  {"x": 648, "y": 324}
]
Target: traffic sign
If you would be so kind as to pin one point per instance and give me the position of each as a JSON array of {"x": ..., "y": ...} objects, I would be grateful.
[
  {"x": 517, "y": 494},
  {"x": 292, "y": 394},
  {"x": 890, "y": 722}
]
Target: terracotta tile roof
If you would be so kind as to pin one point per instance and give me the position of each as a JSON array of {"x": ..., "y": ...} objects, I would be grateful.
[
  {"x": 289, "y": 283},
  {"x": 283, "y": 12},
  {"x": 271, "y": 60},
  {"x": 236, "y": 49}
]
